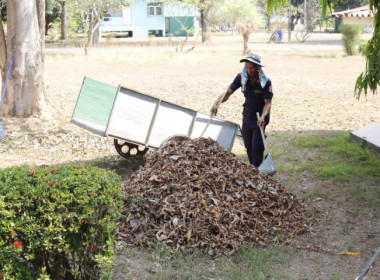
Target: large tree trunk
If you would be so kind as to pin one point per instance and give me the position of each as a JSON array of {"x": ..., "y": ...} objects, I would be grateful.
[
  {"x": 25, "y": 40},
  {"x": 336, "y": 25},
  {"x": 204, "y": 26},
  {"x": 63, "y": 20},
  {"x": 3, "y": 49},
  {"x": 245, "y": 43}
]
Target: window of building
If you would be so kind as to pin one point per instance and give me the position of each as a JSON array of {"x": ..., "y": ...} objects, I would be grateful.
[{"x": 155, "y": 9}]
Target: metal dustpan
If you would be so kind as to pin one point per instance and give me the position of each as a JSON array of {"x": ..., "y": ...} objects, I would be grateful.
[{"x": 267, "y": 167}]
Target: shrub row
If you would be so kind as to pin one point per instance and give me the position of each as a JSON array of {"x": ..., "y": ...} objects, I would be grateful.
[
  {"x": 351, "y": 37},
  {"x": 58, "y": 222}
]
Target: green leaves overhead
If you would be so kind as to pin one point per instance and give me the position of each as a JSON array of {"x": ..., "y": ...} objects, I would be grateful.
[
  {"x": 273, "y": 5},
  {"x": 324, "y": 5},
  {"x": 369, "y": 79}
]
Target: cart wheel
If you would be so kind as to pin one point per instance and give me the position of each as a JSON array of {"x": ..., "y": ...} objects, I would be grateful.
[{"x": 129, "y": 150}]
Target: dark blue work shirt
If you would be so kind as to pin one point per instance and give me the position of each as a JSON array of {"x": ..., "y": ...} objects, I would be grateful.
[{"x": 254, "y": 98}]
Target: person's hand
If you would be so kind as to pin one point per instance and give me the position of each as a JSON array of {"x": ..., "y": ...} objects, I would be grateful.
[
  {"x": 222, "y": 98},
  {"x": 260, "y": 122},
  {"x": 214, "y": 110}
]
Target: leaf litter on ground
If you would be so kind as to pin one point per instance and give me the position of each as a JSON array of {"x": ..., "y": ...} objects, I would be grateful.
[{"x": 194, "y": 193}]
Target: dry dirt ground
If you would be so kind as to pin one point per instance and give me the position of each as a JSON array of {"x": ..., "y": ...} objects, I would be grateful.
[{"x": 313, "y": 90}]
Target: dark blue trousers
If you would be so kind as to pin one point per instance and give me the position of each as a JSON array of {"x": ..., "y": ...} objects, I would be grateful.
[{"x": 253, "y": 143}]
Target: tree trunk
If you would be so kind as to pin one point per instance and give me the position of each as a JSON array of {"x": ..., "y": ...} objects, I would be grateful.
[
  {"x": 63, "y": 20},
  {"x": 245, "y": 39},
  {"x": 90, "y": 36},
  {"x": 204, "y": 26},
  {"x": 47, "y": 23},
  {"x": 3, "y": 50},
  {"x": 95, "y": 39},
  {"x": 336, "y": 25},
  {"x": 25, "y": 40}
]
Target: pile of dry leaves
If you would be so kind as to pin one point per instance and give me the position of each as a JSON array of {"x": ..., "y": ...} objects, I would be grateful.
[{"x": 192, "y": 192}]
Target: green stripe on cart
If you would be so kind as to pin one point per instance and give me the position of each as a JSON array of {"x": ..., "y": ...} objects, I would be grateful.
[{"x": 95, "y": 102}]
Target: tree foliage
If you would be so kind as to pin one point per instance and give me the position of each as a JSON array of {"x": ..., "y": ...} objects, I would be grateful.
[
  {"x": 3, "y": 7},
  {"x": 52, "y": 13},
  {"x": 274, "y": 5},
  {"x": 92, "y": 12},
  {"x": 347, "y": 4},
  {"x": 242, "y": 11},
  {"x": 173, "y": 9},
  {"x": 217, "y": 17},
  {"x": 369, "y": 79},
  {"x": 204, "y": 7},
  {"x": 234, "y": 12}
]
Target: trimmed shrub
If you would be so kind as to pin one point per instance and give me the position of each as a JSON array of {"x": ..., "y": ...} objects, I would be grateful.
[
  {"x": 58, "y": 222},
  {"x": 363, "y": 47},
  {"x": 351, "y": 37}
]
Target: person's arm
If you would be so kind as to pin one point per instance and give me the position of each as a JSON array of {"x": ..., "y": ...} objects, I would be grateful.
[
  {"x": 223, "y": 98},
  {"x": 266, "y": 110}
]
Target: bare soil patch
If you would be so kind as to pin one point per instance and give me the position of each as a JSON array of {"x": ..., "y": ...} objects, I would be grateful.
[{"x": 313, "y": 91}]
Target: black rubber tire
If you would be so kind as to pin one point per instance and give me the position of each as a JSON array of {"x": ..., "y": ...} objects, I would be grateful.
[{"x": 129, "y": 150}]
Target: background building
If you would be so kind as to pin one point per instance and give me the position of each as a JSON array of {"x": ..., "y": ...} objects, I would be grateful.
[
  {"x": 151, "y": 18},
  {"x": 361, "y": 16}
]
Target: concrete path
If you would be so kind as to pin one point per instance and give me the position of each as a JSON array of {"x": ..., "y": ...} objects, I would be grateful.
[{"x": 368, "y": 137}]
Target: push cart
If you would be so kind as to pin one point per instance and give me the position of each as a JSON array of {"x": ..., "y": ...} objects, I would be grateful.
[{"x": 138, "y": 122}]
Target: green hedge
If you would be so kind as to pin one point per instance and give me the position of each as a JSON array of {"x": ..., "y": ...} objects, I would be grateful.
[{"x": 58, "y": 222}]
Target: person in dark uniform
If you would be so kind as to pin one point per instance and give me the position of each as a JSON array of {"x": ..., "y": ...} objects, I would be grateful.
[{"x": 257, "y": 89}]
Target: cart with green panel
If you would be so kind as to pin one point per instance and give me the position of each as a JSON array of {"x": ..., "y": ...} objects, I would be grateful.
[{"x": 138, "y": 121}]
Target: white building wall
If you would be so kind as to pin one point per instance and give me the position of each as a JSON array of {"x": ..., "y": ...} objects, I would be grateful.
[{"x": 367, "y": 22}]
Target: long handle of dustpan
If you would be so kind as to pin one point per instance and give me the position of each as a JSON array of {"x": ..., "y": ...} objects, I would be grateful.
[
  {"x": 208, "y": 123},
  {"x": 365, "y": 270},
  {"x": 261, "y": 130},
  {"x": 219, "y": 101}
]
